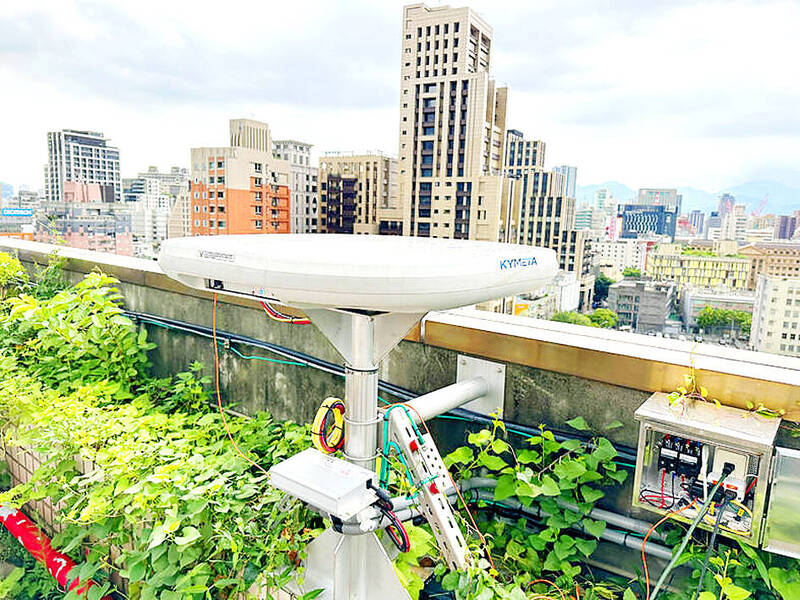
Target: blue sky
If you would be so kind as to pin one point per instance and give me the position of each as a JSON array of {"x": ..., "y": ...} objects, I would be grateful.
[{"x": 704, "y": 94}]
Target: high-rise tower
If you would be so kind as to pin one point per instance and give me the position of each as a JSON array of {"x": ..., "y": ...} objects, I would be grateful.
[{"x": 452, "y": 121}]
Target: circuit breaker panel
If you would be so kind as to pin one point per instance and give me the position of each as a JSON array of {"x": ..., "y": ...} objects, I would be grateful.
[{"x": 682, "y": 451}]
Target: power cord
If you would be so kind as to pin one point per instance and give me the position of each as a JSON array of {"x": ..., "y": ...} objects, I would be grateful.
[
  {"x": 726, "y": 470},
  {"x": 710, "y": 548}
]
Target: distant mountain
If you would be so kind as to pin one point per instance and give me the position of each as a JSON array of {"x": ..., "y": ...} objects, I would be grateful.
[
  {"x": 782, "y": 199},
  {"x": 618, "y": 190}
]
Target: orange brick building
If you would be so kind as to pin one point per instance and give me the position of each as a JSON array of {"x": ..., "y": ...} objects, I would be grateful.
[{"x": 241, "y": 188}]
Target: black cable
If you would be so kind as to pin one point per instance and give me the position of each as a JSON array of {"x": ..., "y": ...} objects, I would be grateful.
[
  {"x": 710, "y": 547},
  {"x": 397, "y": 532},
  {"x": 623, "y": 452}
]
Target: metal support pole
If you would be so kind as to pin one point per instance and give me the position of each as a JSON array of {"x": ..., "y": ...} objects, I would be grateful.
[{"x": 361, "y": 400}]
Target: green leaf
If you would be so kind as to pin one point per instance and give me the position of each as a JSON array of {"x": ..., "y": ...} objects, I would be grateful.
[
  {"x": 619, "y": 476},
  {"x": 591, "y": 494},
  {"x": 734, "y": 592},
  {"x": 586, "y": 547},
  {"x": 500, "y": 446},
  {"x": 549, "y": 486},
  {"x": 594, "y": 528},
  {"x": 707, "y": 596},
  {"x": 481, "y": 438},
  {"x": 578, "y": 423},
  {"x": 462, "y": 455},
  {"x": 493, "y": 463},
  {"x": 569, "y": 469},
  {"x": 506, "y": 487},
  {"x": 563, "y": 547},
  {"x": 188, "y": 535},
  {"x": 528, "y": 456},
  {"x": 760, "y": 566},
  {"x": 450, "y": 581},
  {"x": 137, "y": 572},
  {"x": 628, "y": 595}
]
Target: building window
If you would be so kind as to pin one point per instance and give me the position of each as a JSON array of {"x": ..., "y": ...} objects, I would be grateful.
[
  {"x": 220, "y": 194},
  {"x": 221, "y": 224},
  {"x": 257, "y": 181},
  {"x": 220, "y": 164},
  {"x": 257, "y": 210},
  {"x": 196, "y": 208},
  {"x": 211, "y": 208},
  {"x": 220, "y": 180},
  {"x": 196, "y": 223},
  {"x": 258, "y": 223},
  {"x": 258, "y": 167}
]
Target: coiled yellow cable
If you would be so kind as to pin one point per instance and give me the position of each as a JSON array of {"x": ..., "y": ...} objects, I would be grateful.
[{"x": 327, "y": 429}]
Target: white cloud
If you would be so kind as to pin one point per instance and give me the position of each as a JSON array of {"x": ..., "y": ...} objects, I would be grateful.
[{"x": 659, "y": 93}]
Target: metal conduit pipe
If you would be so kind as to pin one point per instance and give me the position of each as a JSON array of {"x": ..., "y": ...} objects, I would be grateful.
[
  {"x": 598, "y": 514},
  {"x": 620, "y": 538},
  {"x": 616, "y": 537}
]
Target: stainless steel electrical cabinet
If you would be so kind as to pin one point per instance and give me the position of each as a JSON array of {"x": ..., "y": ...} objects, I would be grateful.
[
  {"x": 682, "y": 451},
  {"x": 782, "y": 531}
]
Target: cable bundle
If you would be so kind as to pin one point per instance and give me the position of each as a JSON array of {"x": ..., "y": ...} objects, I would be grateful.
[
  {"x": 396, "y": 530},
  {"x": 327, "y": 430}
]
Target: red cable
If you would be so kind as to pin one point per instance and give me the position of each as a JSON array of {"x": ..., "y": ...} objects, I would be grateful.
[
  {"x": 279, "y": 316},
  {"x": 750, "y": 487},
  {"x": 663, "y": 474}
]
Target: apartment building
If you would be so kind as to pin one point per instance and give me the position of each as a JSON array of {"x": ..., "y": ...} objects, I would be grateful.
[
  {"x": 83, "y": 157},
  {"x": 776, "y": 315},
  {"x": 613, "y": 257},
  {"x": 643, "y": 220},
  {"x": 785, "y": 226},
  {"x": 304, "y": 213},
  {"x": 693, "y": 301},
  {"x": 353, "y": 189},
  {"x": 781, "y": 259},
  {"x": 152, "y": 196},
  {"x": 539, "y": 214},
  {"x": 452, "y": 120},
  {"x": 667, "y": 197},
  {"x": 84, "y": 218},
  {"x": 643, "y": 306},
  {"x": 700, "y": 269},
  {"x": 240, "y": 188},
  {"x": 570, "y": 179}
]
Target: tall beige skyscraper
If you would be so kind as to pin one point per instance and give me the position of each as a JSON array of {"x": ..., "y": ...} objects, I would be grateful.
[{"x": 452, "y": 122}]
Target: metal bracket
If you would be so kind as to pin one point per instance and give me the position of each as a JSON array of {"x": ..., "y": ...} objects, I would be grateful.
[
  {"x": 346, "y": 329},
  {"x": 495, "y": 375},
  {"x": 426, "y": 466}
]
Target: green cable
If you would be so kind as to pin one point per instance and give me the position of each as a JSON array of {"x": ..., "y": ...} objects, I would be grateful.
[{"x": 271, "y": 360}]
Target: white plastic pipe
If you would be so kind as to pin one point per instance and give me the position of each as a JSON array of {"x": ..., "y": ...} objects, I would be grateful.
[{"x": 439, "y": 402}]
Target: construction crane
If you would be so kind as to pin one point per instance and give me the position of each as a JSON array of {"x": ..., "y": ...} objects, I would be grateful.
[{"x": 757, "y": 212}]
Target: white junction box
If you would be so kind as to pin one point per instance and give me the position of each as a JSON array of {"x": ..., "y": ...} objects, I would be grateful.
[{"x": 327, "y": 483}]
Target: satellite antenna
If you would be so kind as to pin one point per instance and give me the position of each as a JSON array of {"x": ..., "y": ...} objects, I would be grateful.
[{"x": 364, "y": 293}]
